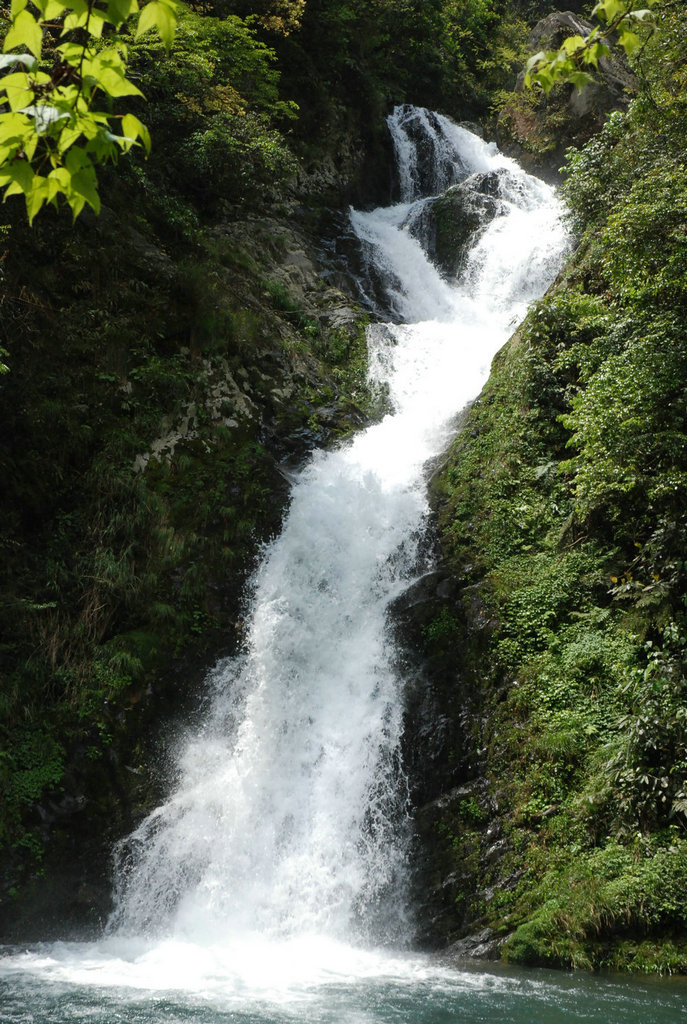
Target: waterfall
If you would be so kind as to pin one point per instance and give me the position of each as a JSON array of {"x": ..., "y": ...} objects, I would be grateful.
[
  {"x": 286, "y": 832},
  {"x": 289, "y": 813}
]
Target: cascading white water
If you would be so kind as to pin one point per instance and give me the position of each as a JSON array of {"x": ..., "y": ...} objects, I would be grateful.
[
  {"x": 287, "y": 826},
  {"x": 288, "y": 816}
]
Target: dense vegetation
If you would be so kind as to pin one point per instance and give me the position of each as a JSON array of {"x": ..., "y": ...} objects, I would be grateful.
[{"x": 563, "y": 511}]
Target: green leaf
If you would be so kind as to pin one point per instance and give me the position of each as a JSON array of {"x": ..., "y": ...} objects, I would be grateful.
[
  {"x": 96, "y": 22},
  {"x": 594, "y": 53},
  {"x": 133, "y": 129},
  {"x": 115, "y": 84},
  {"x": 160, "y": 15},
  {"x": 579, "y": 79},
  {"x": 17, "y": 89},
  {"x": 630, "y": 42},
  {"x": 609, "y": 9},
  {"x": 77, "y": 17},
  {"x": 76, "y": 203},
  {"x": 14, "y": 126},
  {"x": 37, "y": 195},
  {"x": 16, "y": 7},
  {"x": 72, "y": 52},
  {"x": 68, "y": 136},
  {"x": 19, "y": 174},
  {"x": 8, "y": 152},
  {"x": 14, "y": 189},
  {"x": 25, "y": 31},
  {"x": 84, "y": 184},
  {"x": 103, "y": 146},
  {"x": 76, "y": 160},
  {"x": 573, "y": 44},
  {"x": 59, "y": 180},
  {"x": 120, "y": 11},
  {"x": 82, "y": 181},
  {"x": 545, "y": 78},
  {"x": 51, "y": 9}
]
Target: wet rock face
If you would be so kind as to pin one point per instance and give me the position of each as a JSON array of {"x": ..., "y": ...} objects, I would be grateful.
[
  {"x": 439, "y": 628},
  {"x": 431, "y": 740}
]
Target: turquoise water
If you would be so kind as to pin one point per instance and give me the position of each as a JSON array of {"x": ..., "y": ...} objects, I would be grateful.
[{"x": 414, "y": 990}]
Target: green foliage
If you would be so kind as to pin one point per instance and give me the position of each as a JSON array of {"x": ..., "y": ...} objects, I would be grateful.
[
  {"x": 216, "y": 66},
  {"x": 452, "y": 56},
  {"x": 639, "y": 778},
  {"x": 647, "y": 231},
  {"x": 236, "y": 155},
  {"x": 38, "y": 761},
  {"x": 215, "y": 109},
  {"x": 441, "y": 630},
  {"x": 59, "y": 125},
  {"x": 597, "y": 175},
  {"x": 613, "y": 891},
  {"x": 621, "y": 21},
  {"x": 565, "y": 503},
  {"x": 628, "y": 425}
]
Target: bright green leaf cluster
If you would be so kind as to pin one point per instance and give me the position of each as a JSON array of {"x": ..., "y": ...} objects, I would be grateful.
[
  {"x": 60, "y": 92},
  {"x": 618, "y": 19}
]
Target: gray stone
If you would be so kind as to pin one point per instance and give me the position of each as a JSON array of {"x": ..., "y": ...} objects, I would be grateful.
[{"x": 482, "y": 946}]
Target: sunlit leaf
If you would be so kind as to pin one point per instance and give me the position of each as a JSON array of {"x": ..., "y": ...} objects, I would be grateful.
[
  {"x": 14, "y": 126},
  {"x": 609, "y": 9},
  {"x": 573, "y": 44},
  {"x": 85, "y": 184},
  {"x": 594, "y": 53},
  {"x": 25, "y": 31},
  {"x": 17, "y": 90},
  {"x": 36, "y": 197},
  {"x": 51, "y": 9},
  {"x": 115, "y": 84},
  {"x": 80, "y": 135},
  {"x": 135, "y": 129},
  {"x": 120, "y": 11},
  {"x": 161, "y": 16},
  {"x": 630, "y": 42}
]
